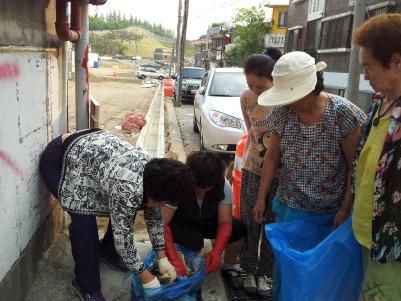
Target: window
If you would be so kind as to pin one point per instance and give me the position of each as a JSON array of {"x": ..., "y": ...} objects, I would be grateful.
[
  {"x": 316, "y": 9},
  {"x": 228, "y": 84},
  {"x": 336, "y": 33},
  {"x": 282, "y": 19},
  {"x": 193, "y": 73},
  {"x": 312, "y": 34},
  {"x": 380, "y": 9},
  {"x": 294, "y": 39}
]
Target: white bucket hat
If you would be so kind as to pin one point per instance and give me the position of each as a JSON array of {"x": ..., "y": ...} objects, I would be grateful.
[{"x": 294, "y": 77}]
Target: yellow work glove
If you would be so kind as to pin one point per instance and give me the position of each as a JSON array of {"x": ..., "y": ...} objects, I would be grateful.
[{"x": 165, "y": 267}]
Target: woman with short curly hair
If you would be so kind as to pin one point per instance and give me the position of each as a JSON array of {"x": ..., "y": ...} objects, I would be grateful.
[
  {"x": 95, "y": 173},
  {"x": 377, "y": 169},
  {"x": 206, "y": 213}
]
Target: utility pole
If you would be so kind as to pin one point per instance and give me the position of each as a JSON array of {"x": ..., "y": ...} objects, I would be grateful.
[
  {"x": 354, "y": 71},
  {"x": 181, "y": 51},
  {"x": 177, "y": 50},
  {"x": 81, "y": 72},
  {"x": 171, "y": 60}
]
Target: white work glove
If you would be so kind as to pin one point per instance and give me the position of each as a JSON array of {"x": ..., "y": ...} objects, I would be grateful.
[
  {"x": 151, "y": 288},
  {"x": 165, "y": 267},
  {"x": 152, "y": 284}
]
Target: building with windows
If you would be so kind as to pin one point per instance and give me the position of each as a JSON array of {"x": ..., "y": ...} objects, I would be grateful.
[
  {"x": 276, "y": 37},
  {"x": 161, "y": 55},
  {"x": 323, "y": 28},
  {"x": 201, "y": 46},
  {"x": 219, "y": 38}
]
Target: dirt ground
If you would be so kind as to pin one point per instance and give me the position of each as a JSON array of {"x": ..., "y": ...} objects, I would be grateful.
[{"x": 117, "y": 96}]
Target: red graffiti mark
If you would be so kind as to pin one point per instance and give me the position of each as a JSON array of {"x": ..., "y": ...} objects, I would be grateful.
[
  {"x": 9, "y": 71},
  {"x": 4, "y": 157},
  {"x": 85, "y": 66}
]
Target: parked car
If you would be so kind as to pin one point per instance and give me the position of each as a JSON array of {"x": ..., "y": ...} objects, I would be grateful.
[
  {"x": 118, "y": 57},
  {"x": 191, "y": 79},
  {"x": 217, "y": 110},
  {"x": 149, "y": 72}
]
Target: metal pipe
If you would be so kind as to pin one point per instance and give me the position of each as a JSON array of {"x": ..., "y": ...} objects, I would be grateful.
[
  {"x": 81, "y": 71},
  {"x": 97, "y": 2},
  {"x": 64, "y": 32}
]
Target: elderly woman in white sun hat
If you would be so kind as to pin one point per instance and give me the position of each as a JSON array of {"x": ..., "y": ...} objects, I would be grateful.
[{"x": 313, "y": 136}]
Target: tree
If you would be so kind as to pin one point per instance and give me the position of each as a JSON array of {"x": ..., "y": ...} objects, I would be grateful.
[{"x": 250, "y": 27}]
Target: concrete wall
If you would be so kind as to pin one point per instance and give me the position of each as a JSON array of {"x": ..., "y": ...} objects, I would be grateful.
[{"x": 32, "y": 112}]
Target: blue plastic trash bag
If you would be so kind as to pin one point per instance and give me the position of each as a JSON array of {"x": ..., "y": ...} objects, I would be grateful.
[
  {"x": 314, "y": 263},
  {"x": 183, "y": 289}
]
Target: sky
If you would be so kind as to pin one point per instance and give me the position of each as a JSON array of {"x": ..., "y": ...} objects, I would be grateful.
[{"x": 201, "y": 12}]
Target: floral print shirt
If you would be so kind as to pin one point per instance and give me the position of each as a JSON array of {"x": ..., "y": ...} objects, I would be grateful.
[
  {"x": 257, "y": 132},
  {"x": 386, "y": 219},
  {"x": 102, "y": 175},
  {"x": 313, "y": 167}
]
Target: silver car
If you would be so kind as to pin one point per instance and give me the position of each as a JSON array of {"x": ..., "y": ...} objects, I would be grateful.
[
  {"x": 143, "y": 72},
  {"x": 217, "y": 110}
]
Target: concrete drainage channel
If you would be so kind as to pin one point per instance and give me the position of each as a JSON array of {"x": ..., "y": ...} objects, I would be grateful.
[{"x": 151, "y": 138}]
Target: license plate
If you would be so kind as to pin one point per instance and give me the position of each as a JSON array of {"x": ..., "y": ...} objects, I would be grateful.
[{"x": 193, "y": 91}]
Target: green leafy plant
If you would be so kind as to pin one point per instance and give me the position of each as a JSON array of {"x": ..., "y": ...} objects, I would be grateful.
[{"x": 250, "y": 27}]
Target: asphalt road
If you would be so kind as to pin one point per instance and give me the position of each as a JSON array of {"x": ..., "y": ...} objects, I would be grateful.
[{"x": 185, "y": 115}]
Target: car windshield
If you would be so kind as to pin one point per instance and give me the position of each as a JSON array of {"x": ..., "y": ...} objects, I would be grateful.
[
  {"x": 228, "y": 84},
  {"x": 193, "y": 73}
]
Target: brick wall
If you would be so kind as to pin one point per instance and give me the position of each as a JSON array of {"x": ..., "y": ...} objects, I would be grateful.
[
  {"x": 336, "y": 62},
  {"x": 297, "y": 15}
]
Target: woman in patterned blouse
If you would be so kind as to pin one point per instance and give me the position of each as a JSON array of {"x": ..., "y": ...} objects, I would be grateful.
[
  {"x": 376, "y": 219},
  {"x": 95, "y": 173},
  {"x": 313, "y": 136}
]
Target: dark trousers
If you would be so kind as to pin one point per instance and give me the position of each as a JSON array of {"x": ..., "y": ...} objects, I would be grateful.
[
  {"x": 83, "y": 228},
  {"x": 191, "y": 236}
]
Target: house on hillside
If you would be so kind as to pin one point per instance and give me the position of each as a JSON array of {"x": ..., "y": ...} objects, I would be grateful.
[
  {"x": 276, "y": 36},
  {"x": 323, "y": 28},
  {"x": 201, "y": 46},
  {"x": 162, "y": 55},
  {"x": 219, "y": 39}
]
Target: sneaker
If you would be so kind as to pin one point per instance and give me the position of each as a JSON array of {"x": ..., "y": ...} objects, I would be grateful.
[
  {"x": 112, "y": 259},
  {"x": 76, "y": 290},
  {"x": 250, "y": 286},
  {"x": 265, "y": 286},
  {"x": 234, "y": 277}
]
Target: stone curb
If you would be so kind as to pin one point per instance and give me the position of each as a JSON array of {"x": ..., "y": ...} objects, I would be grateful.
[{"x": 175, "y": 148}]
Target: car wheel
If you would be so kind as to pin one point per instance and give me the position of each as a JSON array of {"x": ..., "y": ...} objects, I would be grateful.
[
  {"x": 161, "y": 77},
  {"x": 195, "y": 126},
  {"x": 142, "y": 76}
]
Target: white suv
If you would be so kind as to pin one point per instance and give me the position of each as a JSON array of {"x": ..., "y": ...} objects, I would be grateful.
[{"x": 149, "y": 72}]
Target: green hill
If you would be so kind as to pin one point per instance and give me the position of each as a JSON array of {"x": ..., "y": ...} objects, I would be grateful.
[{"x": 146, "y": 46}]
